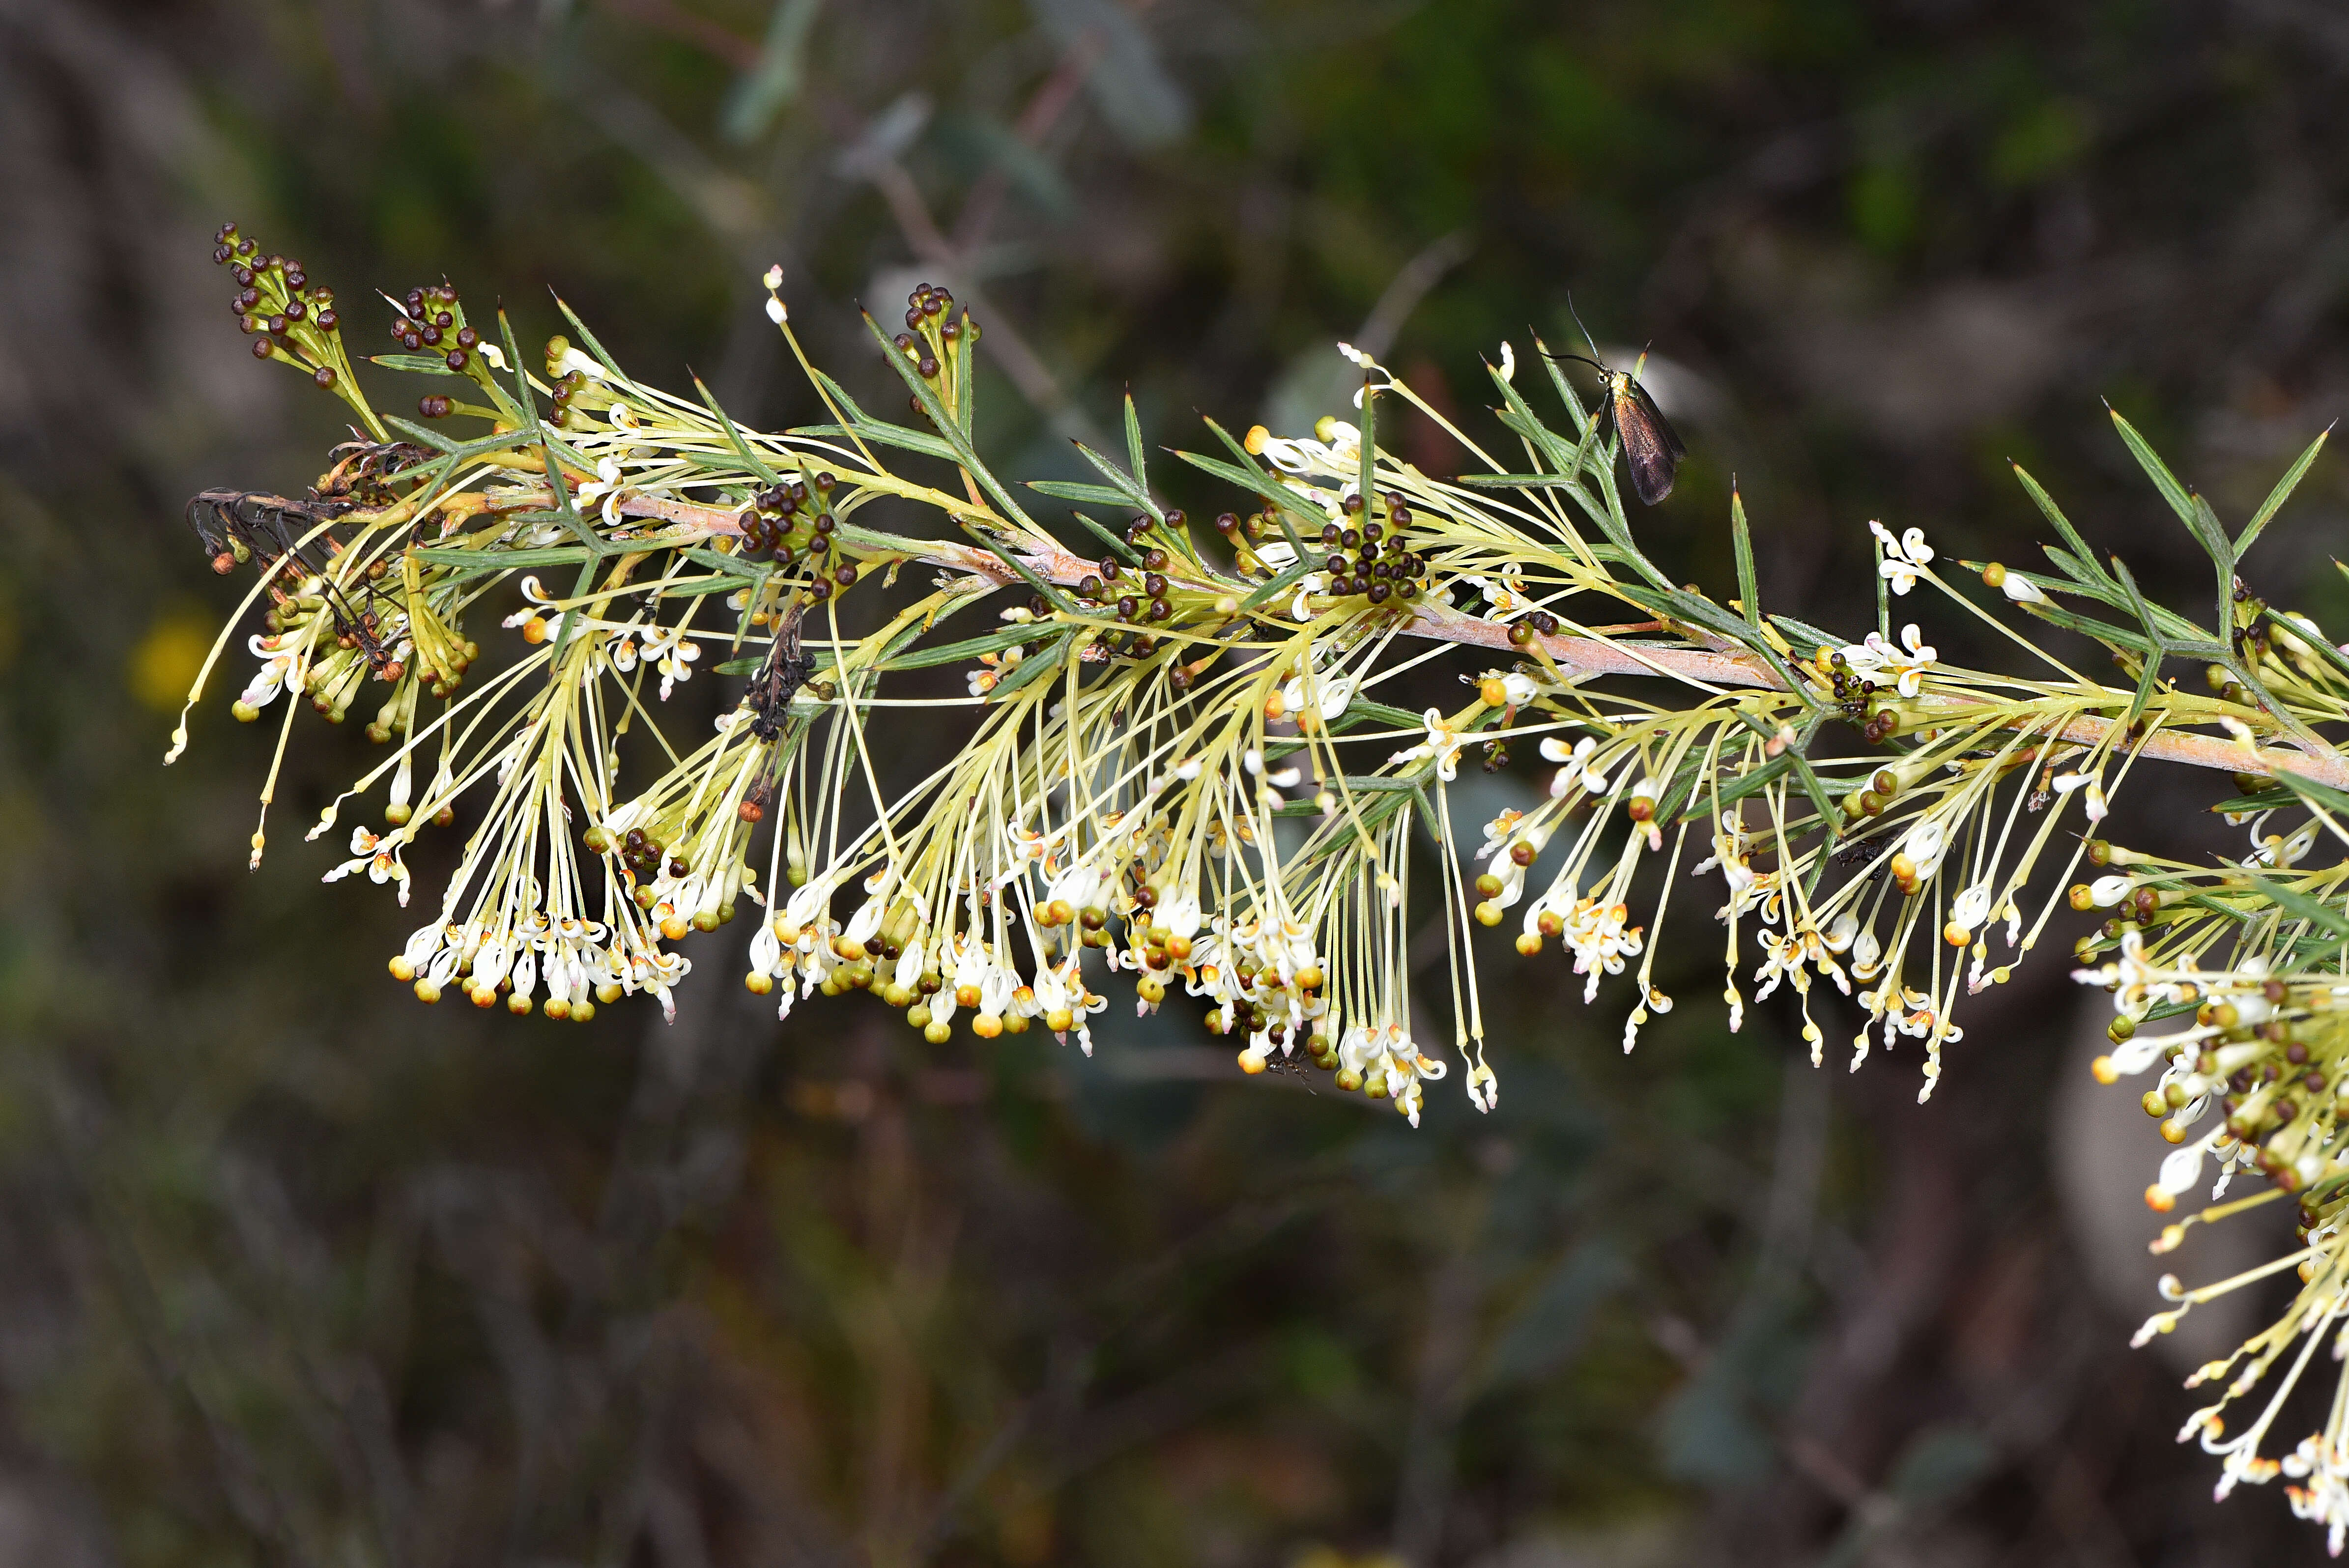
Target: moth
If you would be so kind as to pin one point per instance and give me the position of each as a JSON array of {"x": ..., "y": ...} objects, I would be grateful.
[{"x": 1651, "y": 447}]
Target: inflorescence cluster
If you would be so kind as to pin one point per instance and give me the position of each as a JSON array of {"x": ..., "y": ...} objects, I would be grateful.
[{"x": 1176, "y": 764}]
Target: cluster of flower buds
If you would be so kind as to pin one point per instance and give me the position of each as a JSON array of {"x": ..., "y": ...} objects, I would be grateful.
[
  {"x": 430, "y": 320},
  {"x": 1370, "y": 555},
  {"x": 933, "y": 329},
  {"x": 791, "y": 519},
  {"x": 283, "y": 311}
]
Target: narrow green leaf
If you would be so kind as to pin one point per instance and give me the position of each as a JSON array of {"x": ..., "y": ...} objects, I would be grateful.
[
  {"x": 461, "y": 450},
  {"x": 2265, "y": 800},
  {"x": 522, "y": 407},
  {"x": 2149, "y": 678},
  {"x": 702, "y": 587},
  {"x": 1035, "y": 666},
  {"x": 1565, "y": 393},
  {"x": 417, "y": 364},
  {"x": 1739, "y": 788},
  {"x": 2054, "y": 515},
  {"x": 1806, "y": 637},
  {"x": 2281, "y": 494},
  {"x": 819, "y": 658},
  {"x": 1278, "y": 585},
  {"x": 1134, "y": 453},
  {"x": 594, "y": 348},
  {"x": 757, "y": 464},
  {"x": 1286, "y": 501},
  {"x": 966, "y": 373},
  {"x": 2316, "y": 642},
  {"x": 899, "y": 435},
  {"x": 838, "y": 397},
  {"x": 971, "y": 647},
  {"x": 1748, "y": 595},
  {"x": 1522, "y": 481},
  {"x": 1090, "y": 495},
  {"x": 2299, "y": 905},
  {"x": 718, "y": 561},
  {"x": 2103, "y": 630},
  {"x": 499, "y": 560},
  {"x": 1110, "y": 537},
  {"x": 2333, "y": 800},
  {"x": 2211, "y": 535},
  {"x": 2174, "y": 494},
  {"x": 1393, "y": 717},
  {"x": 1129, "y": 492}
]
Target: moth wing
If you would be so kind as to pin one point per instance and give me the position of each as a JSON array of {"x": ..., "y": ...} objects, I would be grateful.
[
  {"x": 1651, "y": 447},
  {"x": 1655, "y": 416}
]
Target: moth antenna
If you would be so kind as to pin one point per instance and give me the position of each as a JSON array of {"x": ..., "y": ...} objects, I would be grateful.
[
  {"x": 1579, "y": 359},
  {"x": 1584, "y": 330}
]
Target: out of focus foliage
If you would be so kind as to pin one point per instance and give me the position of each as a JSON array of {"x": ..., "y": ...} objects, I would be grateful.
[{"x": 298, "y": 1273}]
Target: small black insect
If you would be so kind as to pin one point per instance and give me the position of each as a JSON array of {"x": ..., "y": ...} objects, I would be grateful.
[
  {"x": 284, "y": 538},
  {"x": 779, "y": 680},
  {"x": 1279, "y": 1063},
  {"x": 1862, "y": 850}
]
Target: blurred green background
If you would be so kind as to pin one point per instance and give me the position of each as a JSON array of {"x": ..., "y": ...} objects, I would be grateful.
[{"x": 293, "y": 1271}]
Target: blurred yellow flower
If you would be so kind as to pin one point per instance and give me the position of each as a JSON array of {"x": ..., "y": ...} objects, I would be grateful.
[{"x": 164, "y": 664}]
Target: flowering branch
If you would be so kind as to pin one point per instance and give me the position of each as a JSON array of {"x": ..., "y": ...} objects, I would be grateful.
[{"x": 1190, "y": 761}]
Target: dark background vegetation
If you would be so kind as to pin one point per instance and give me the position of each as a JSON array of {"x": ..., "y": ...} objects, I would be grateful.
[{"x": 293, "y": 1271}]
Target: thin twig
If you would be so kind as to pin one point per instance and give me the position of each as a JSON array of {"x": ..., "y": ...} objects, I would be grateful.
[{"x": 1574, "y": 656}]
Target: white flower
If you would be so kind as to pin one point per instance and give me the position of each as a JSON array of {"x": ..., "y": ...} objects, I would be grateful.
[
  {"x": 1369, "y": 365},
  {"x": 1924, "y": 844},
  {"x": 1838, "y": 937},
  {"x": 1578, "y": 773},
  {"x": 1443, "y": 744},
  {"x": 378, "y": 857},
  {"x": 2021, "y": 590},
  {"x": 2094, "y": 801},
  {"x": 606, "y": 486},
  {"x": 586, "y": 364},
  {"x": 665, "y": 646},
  {"x": 2278, "y": 849},
  {"x": 1903, "y": 557},
  {"x": 1902, "y": 667},
  {"x": 1331, "y": 693},
  {"x": 1336, "y": 455},
  {"x": 1504, "y": 600}
]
